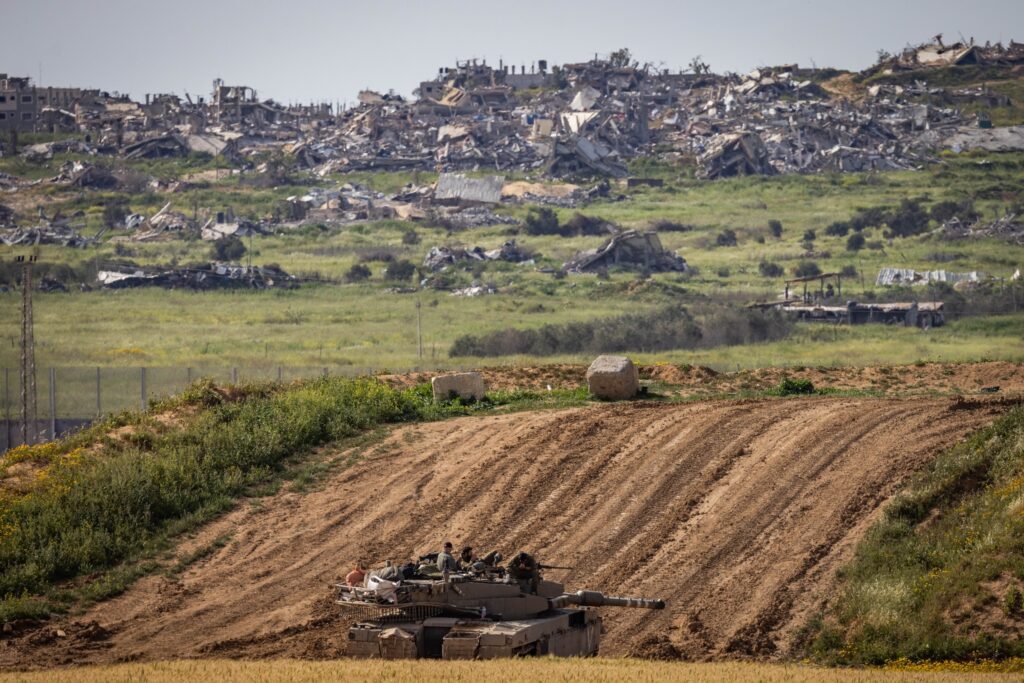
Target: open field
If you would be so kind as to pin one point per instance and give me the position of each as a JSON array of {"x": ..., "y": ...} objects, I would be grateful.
[
  {"x": 524, "y": 671},
  {"x": 739, "y": 513}
]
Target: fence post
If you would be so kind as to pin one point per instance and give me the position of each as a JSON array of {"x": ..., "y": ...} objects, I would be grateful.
[
  {"x": 53, "y": 404},
  {"x": 278, "y": 374},
  {"x": 142, "y": 384},
  {"x": 234, "y": 375},
  {"x": 99, "y": 403},
  {"x": 7, "y": 405},
  {"x": 325, "y": 372},
  {"x": 188, "y": 375}
]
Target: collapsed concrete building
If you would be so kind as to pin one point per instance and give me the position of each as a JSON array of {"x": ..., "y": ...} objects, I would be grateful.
[
  {"x": 630, "y": 250},
  {"x": 580, "y": 119}
]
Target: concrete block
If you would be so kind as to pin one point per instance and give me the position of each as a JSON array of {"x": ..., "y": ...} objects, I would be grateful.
[
  {"x": 613, "y": 378},
  {"x": 465, "y": 385}
]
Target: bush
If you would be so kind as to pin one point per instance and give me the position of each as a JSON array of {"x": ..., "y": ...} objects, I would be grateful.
[
  {"x": 227, "y": 249},
  {"x": 542, "y": 221},
  {"x": 726, "y": 238},
  {"x": 775, "y": 228},
  {"x": 723, "y": 271},
  {"x": 358, "y": 273},
  {"x": 806, "y": 269},
  {"x": 410, "y": 237},
  {"x": 810, "y": 236},
  {"x": 400, "y": 271},
  {"x": 792, "y": 387},
  {"x": 673, "y": 327},
  {"x": 855, "y": 242},
  {"x": 769, "y": 269},
  {"x": 909, "y": 219},
  {"x": 665, "y": 225},
  {"x": 944, "y": 211},
  {"x": 580, "y": 225},
  {"x": 838, "y": 229},
  {"x": 114, "y": 214},
  {"x": 848, "y": 271}
]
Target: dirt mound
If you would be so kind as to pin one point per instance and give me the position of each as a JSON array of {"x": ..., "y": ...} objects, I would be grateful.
[
  {"x": 738, "y": 513},
  {"x": 920, "y": 378}
]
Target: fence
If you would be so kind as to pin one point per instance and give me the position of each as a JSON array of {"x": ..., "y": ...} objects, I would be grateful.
[{"x": 71, "y": 397}]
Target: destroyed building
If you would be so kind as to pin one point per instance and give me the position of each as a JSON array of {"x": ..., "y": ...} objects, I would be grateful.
[
  {"x": 586, "y": 118},
  {"x": 630, "y": 250}
]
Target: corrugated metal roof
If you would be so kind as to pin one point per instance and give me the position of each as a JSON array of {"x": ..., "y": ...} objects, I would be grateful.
[{"x": 485, "y": 190}]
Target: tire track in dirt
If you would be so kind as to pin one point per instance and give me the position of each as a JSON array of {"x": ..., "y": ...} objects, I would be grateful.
[{"x": 738, "y": 513}]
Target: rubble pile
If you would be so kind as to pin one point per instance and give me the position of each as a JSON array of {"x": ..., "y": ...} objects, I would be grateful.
[
  {"x": 439, "y": 258},
  {"x": 60, "y": 234},
  {"x": 583, "y": 119},
  {"x": 215, "y": 276},
  {"x": 630, "y": 250},
  {"x": 1007, "y": 227}
]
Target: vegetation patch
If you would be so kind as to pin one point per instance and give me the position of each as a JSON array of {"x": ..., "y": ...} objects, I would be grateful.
[{"x": 940, "y": 575}]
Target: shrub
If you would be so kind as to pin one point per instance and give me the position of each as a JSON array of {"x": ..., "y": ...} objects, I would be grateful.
[
  {"x": 400, "y": 271},
  {"x": 810, "y": 236},
  {"x": 580, "y": 225},
  {"x": 114, "y": 214},
  {"x": 806, "y": 269},
  {"x": 410, "y": 237},
  {"x": 944, "y": 211},
  {"x": 775, "y": 228},
  {"x": 665, "y": 225},
  {"x": 769, "y": 269},
  {"x": 358, "y": 273},
  {"x": 848, "y": 271},
  {"x": 791, "y": 387},
  {"x": 855, "y": 242},
  {"x": 542, "y": 221},
  {"x": 726, "y": 238},
  {"x": 909, "y": 219},
  {"x": 838, "y": 229},
  {"x": 673, "y": 327},
  {"x": 228, "y": 248},
  {"x": 723, "y": 272}
]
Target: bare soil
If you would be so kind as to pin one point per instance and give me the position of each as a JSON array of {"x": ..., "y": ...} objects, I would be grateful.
[{"x": 737, "y": 512}]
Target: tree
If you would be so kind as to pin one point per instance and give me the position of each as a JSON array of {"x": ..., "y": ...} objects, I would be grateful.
[
  {"x": 400, "y": 271},
  {"x": 855, "y": 242},
  {"x": 114, "y": 214},
  {"x": 228, "y": 248},
  {"x": 358, "y": 273},
  {"x": 726, "y": 238},
  {"x": 807, "y": 269},
  {"x": 698, "y": 66},
  {"x": 620, "y": 58},
  {"x": 838, "y": 229},
  {"x": 542, "y": 221}
]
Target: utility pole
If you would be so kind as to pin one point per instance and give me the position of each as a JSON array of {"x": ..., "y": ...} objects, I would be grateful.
[
  {"x": 419, "y": 326},
  {"x": 28, "y": 354}
]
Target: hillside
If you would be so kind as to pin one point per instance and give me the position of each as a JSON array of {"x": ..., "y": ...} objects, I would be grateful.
[{"x": 739, "y": 513}]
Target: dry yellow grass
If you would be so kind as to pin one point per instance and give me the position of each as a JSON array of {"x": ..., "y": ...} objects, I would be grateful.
[{"x": 522, "y": 671}]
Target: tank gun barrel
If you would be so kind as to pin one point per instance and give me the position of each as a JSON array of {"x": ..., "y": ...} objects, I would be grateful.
[{"x": 598, "y": 599}]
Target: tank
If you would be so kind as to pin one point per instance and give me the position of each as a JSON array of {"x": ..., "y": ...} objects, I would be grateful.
[{"x": 475, "y": 616}]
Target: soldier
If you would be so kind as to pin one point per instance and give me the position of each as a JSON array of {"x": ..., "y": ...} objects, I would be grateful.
[
  {"x": 522, "y": 569},
  {"x": 467, "y": 557},
  {"x": 446, "y": 559},
  {"x": 357, "y": 576}
]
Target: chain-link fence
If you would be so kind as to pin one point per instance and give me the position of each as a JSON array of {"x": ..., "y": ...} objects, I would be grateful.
[{"x": 70, "y": 397}]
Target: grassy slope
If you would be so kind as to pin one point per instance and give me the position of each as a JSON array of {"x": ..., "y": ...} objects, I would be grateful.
[
  {"x": 941, "y": 575},
  {"x": 112, "y": 494}
]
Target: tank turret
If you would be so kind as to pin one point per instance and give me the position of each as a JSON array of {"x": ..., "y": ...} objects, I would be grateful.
[{"x": 474, "y": 616}]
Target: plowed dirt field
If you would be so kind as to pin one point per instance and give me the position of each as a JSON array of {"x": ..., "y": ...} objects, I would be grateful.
[{"x": 738, "y": 513}]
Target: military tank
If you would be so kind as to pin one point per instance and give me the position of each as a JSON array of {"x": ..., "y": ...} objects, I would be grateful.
[{"x": 473, "y": 615}]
